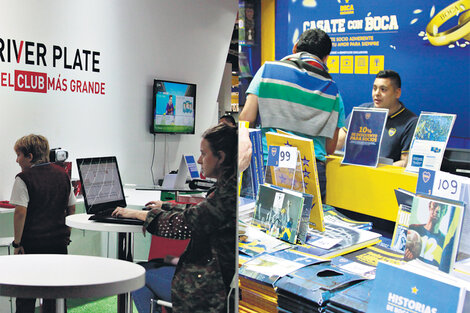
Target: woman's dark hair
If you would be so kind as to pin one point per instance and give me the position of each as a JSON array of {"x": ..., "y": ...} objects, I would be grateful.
[{"x": 223, "y": 137}]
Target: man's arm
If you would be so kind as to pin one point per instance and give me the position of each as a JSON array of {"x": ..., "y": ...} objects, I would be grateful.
[
  {"x": 341, "y": 139},
  {"x": 18, "y": 223},
  {"x": 332, "y": 142},
  {"x": 244, "y": 149},
  {"x": 403, "y": 160},
  {"x": 250, "y": 109}
]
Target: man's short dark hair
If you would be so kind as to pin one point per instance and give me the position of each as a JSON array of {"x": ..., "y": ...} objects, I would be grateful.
[
  {"x": 392, "y": 75},
  {"x": 316, "y": 42},
  {"x": 228, "y": 118}
]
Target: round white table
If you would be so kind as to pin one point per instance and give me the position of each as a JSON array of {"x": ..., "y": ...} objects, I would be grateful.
[
  {"x": 125, "y": 244},
  {"x": 56, "y": 276},
  {"x": 125, "y": 237}
]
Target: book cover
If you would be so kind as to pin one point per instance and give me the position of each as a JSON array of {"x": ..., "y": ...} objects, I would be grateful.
[
  {"x": 253, "y": 241},
  {"x": 315, "y": 283},
  {"x": 278, "y": 211},
  {"x": 254, "y": 164},
  {"x": 333, "y": 216},
  {"x": 364, "y": 262},
  {"x": 353, "y": 299},
  {"x": 337, "y": 240},
  {"x": 434, "y": 232},
  {"x": 268, "y": 267},
  {"x": 309, "y": 171},
  {"x": 305, "y": 217},
  {"x": 365, "y": 130},
  {"x": 400, "y": 231},
  {"x": 429, "y": 141},
  {"x": 414, "y": 290}
]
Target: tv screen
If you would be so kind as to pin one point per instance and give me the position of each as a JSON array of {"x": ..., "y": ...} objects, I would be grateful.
[{"x": 174, "y": 107}]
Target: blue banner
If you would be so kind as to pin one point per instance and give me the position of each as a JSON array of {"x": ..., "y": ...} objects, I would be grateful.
[{"x": 426, "y": 42}]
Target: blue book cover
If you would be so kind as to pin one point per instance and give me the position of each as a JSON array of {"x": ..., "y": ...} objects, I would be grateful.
[
  {"x": 268, "y": 267},
  {"x": 365, "y": 131},
  {"x": 411, "y": 290},
  {"x": 259, "y": 159},
  {"x": 255, "y": 155},
  {"x": 316, "y": 283},
  {"x": 353, "y": 299}
]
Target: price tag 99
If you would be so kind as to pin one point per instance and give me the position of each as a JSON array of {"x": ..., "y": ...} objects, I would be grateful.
[{"x": 287, "y": 157}]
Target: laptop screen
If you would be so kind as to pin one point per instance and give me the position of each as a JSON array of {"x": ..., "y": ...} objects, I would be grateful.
[{"x": 101, "y": 184}]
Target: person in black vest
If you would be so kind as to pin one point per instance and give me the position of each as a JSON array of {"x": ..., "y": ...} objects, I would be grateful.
[{"x": 43, "y": 197}]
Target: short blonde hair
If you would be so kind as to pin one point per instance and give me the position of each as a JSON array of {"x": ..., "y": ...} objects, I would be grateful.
[{"x": 37, "y": 145}]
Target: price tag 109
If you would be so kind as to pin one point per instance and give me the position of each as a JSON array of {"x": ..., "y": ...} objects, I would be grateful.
[{"x": 440, "y": 184}]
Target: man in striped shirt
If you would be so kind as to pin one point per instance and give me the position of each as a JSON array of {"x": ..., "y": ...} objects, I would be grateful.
[{"x": 298, "y": 95}]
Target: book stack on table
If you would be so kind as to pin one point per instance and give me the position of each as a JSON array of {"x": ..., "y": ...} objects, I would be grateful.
[{"x": 257, "y": 277}]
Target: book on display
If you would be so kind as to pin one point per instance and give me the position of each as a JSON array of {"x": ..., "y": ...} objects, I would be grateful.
[
  {"x": 407, "y": 288},
  {"x": 337, "y": 240},
  {"x": 278, "y": 211},
  {"x": 308, "y": 182},
  {"x": 364, "y": 262},
  {"x": 434, "y": 232},
  {"x": 311, "y": 287}
]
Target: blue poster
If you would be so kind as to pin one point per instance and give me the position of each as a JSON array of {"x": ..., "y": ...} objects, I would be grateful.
[
  {"x": 192, "y": 167},
  {"x": 426, "y": 42},
  {"x": 364, "y": 136}
]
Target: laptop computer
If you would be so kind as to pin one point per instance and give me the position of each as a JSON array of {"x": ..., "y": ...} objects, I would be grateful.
[{"x": 102, "y": 189}]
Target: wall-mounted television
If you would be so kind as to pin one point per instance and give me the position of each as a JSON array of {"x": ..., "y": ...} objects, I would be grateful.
[{"x": 173, "y": 107}]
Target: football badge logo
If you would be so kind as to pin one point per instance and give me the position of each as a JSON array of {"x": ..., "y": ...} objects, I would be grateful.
[
  {"x": 426, "y": 176},
  {"x": 392, "y": 131},
  {"x": 368, "y": 116},
  {"x": 273, "y": 151}
]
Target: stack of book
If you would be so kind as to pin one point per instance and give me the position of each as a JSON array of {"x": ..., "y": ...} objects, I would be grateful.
[
  {"x": 309, "y": 288},
  {"x": 353, "y": 299},
  {"x": 246, "y": 207},
  {"x": 258, "y": 275}
]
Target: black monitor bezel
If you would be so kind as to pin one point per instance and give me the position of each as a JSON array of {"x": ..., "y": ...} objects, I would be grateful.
[
  {"x": 101, "y": 206},
  {"x": 154, "y": 107}
]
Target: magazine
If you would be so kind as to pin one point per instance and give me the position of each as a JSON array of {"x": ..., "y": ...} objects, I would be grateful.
[
  {"x": 337, "y": 240},
  {"x": 429, "y": 141}
]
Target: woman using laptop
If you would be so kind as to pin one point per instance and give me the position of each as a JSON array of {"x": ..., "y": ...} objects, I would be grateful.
[{"x": 201, "y": 280}]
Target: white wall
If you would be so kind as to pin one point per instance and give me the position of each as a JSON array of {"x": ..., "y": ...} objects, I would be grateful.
[{"x": 138, "y": 40}]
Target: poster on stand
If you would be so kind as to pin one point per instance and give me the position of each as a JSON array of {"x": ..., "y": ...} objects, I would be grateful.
[
  {"x": 429, "y": 141},
  {"x": 364, "y": 136}
]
